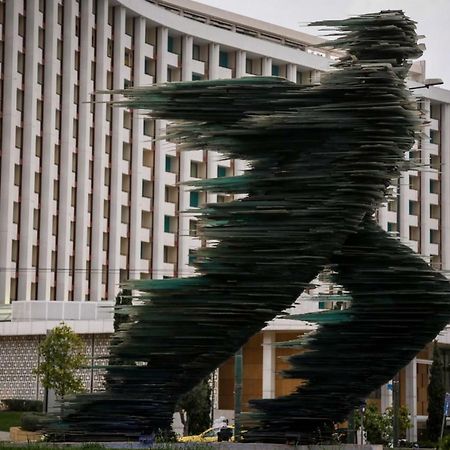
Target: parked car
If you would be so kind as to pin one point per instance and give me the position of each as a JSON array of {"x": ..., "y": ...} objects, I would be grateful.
[{"x": 210, "y": 435}]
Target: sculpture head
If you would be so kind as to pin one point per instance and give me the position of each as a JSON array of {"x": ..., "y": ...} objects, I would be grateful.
[{"x": 387, "y": 37}]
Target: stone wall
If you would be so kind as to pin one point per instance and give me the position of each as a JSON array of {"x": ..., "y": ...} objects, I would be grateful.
[{"x": 19, "y": 356}]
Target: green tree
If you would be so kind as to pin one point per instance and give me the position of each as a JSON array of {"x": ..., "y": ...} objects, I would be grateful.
[
  {"x": 436, "y": 396},
  {"x": 62, "y": 353},
  {"x": 379, "y": 427},
  {"x": 195, "y": 408}
]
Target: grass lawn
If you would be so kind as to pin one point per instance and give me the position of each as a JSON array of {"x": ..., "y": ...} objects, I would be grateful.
[{"x": 9, "y": 419}]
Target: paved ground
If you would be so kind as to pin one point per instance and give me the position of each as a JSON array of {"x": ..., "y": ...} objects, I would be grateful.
[{"x": 4, "y": 435}]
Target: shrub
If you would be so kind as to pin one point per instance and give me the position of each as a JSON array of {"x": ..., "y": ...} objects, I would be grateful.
[
  {"x": 16, "y": 404},
  {"x": 444, "y": 443},
  {"x": 32, "y": 421}
]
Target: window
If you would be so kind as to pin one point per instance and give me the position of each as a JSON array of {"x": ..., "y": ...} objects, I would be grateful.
[
  {"x": 147, "y": 158},
  {"x": 17, "y": 174},
  {"x": 125, "y": 214},
  {"x": 37, "y": 182},
  {"x": 60, "y": 14},
  {"x": 146, "y": 188},
  {"x": 196, "y": 76},
  {"x": 58, "y": 119},
  {"x": 191, "y": 256},
  {"x": 127, "y": 120},
  {"x": 38, "y": 146},
  {"x": 435, "y": 212},
  {"x": 55, "y": 189},
  {"x": 195, "y": 169},
  {"x": 58, "y": 84},
  {"x": 170, "y": 164},
  {"x": 275, "y": 70},
  {"x": 434, "y": 137},
  {"x": 126, "y": 183},
  {"x": 77, "y": 26},
  {"x": 434, "y": 236},
  {"x": 146, "y": 219},
  {"x": 123, "y": 246},
  {"x": 128, "y": 57},
  {"x": 35, "y": 219},
  {"x": 413, "y": 207},
  {"x": 196, "y": 52},
  {"x": 223, "y": 59},
  {"x": 19, "y": 100},
  {"x": 126, "y": 151},
  {"x": 392, "y": 227},
  {"x": 21, "y": 25},
  {"x": 109, "y": 48},
  {"x": 107, "y": 176},
  {"x": 109, "y": 80},
  {"x": 14, "y": 250},
  {"x": 248, "y": 65},
  {"x": 170, "y": 44},
  {"x": 16, "y": 212},
  {"x": 59, "y": 49},
  {"x": 148, "y": 127},
  {"x": 129, "y": 26},
  {"x": 221, "y": 171},
  {"x": 148, "y": 66},
  {"x": 40, "y": 73},
  {"x": 170, "y": 194},
  {"x": 434, "y": 186},
  {"x": 19, "y": 136},
  {"x": 168, "y": 224},
  {"x": 194, "y": 199},
  {"x": 193, "y": 228},
  {"x": 20, "y": 62},
  {"x": 148, "y": 34},
  {"x": 392, "y": 205},
  {"x": 105, "y": 242},
  {"x": 41, "y": 38},
  {"x": 169, "y": 254},
  {"x": 435, "y": 162},
  {"x": 414, "y": 234}
]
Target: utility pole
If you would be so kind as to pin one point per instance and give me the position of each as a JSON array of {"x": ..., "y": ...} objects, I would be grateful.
[
  {"x": 396, "y": 409},
  {"x": 238, "y": 366}
]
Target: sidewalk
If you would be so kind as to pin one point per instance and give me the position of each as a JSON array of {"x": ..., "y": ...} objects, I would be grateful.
[{"x": 4, "y": 435}]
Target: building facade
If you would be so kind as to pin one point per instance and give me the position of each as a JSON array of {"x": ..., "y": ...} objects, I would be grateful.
[
  {"x": 89, "y": 199},
  {"x": 90, "y": 195}
]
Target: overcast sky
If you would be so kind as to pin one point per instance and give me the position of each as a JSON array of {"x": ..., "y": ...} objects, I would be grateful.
[{"x": 432, "y": 17}]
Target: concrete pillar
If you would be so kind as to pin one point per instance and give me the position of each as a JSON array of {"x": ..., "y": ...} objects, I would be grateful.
[
  {"x": 115, "y": 204},
  {"x": 159, "y": 168},
  {"x": 66, "y": 180},
  {"x": 241, "y": 58},
  {"x": 411, "y": 398},
  {"x": 29, "y": 160},
  {"x": 386, "y": 396},
  {"x": 101, "y": 125},
  {"x": 10, "y": 84},
  {"x": 424, "y": 248},
  {"x": 291, "y": 72},
  {"x": 137, "y": 169},
  {"x": 268, "y": 366},
  {"x": 266, "y": 69},
  {"x": 84, "y": 152},
  {"x": 213, "y": 61},
  {"x": 444, "y": 126},
  {"x": 49, "y": 139}
]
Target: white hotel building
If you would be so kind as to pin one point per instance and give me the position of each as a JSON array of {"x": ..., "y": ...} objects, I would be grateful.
[{"x": 89, "y": 199}]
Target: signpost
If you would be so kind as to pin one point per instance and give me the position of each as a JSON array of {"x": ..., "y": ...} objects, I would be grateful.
[{"x": 446, "y": 412}]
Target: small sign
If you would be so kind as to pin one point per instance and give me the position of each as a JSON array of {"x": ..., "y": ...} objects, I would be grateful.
[{"x": 447, "y": 405}]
